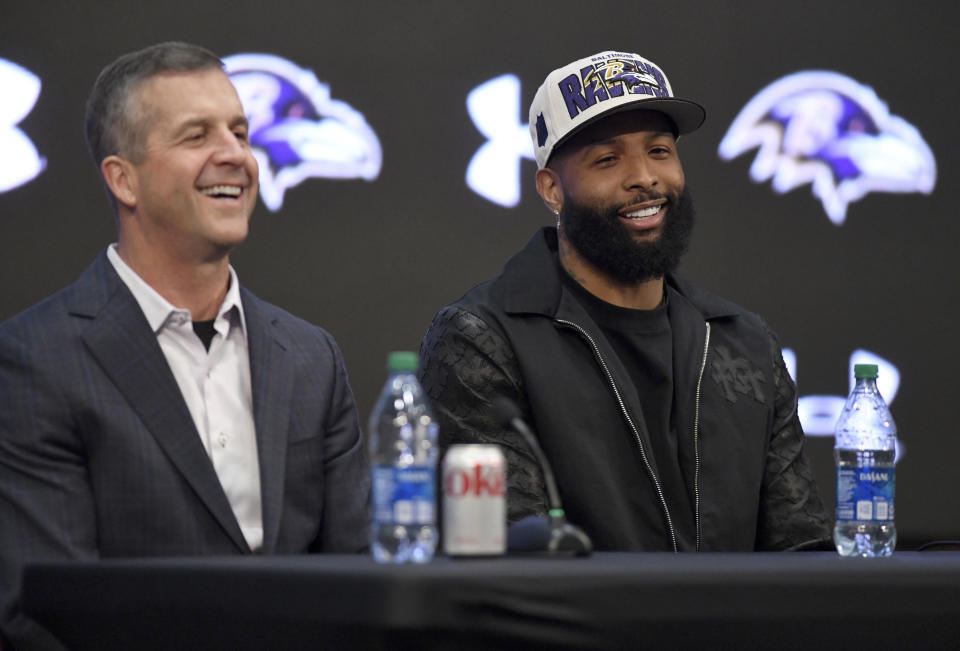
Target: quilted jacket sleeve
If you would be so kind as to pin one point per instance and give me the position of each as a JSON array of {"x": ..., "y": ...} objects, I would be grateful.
[
  {"x": 792, "y": 515},
  {"x": 465, "y": 364}
]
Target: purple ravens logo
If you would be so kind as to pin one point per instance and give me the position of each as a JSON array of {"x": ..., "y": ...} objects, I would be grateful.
[
  {"x": 830, "y": 131},
  {"x": 616, "y": 71},
  {"x": 296, "y": 130}
]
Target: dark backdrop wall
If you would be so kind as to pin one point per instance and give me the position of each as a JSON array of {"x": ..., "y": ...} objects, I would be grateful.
[{"x": 372, "y": 260}]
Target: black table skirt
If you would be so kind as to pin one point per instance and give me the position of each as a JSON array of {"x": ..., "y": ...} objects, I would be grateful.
[{"x": 607, "y": 601}]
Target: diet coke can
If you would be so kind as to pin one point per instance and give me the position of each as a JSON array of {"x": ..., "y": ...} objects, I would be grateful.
[{"x": 474, "y": 508}]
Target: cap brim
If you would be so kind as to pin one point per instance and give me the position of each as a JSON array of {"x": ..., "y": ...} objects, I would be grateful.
[{"x": 686, "y": 115}]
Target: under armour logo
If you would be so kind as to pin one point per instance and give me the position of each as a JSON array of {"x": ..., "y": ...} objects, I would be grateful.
[
  {"x": 494, "y": 170},
  {"x": 736, "y": 376},
  {"x": 819, "y": 413},
  {"x": 19, "y": 160}
]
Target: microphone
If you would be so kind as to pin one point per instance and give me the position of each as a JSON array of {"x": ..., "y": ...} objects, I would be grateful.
[{"x": 533, "y": 533}]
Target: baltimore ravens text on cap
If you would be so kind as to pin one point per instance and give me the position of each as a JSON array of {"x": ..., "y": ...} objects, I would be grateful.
[{"x": 581, "y": 92}]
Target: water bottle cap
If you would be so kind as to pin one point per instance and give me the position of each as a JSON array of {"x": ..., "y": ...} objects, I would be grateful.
[
  {"x": 861, "y": 371},
  {"x": 403, "y": 360}
]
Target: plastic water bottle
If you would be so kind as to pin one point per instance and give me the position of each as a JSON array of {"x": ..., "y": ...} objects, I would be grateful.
[
  {"x": 865, "y": 450},
  {"x": 403, "y": 456}
]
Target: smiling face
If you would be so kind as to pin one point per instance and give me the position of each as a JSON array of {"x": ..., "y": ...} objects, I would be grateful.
[
  {"x": 619, "y": 187},
  {"x": 629, "y": 162},
  {"x": 192, "y": 191}
]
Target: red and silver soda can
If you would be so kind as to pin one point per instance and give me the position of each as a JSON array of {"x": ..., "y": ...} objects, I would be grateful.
[{"x": 474, "y": 506}]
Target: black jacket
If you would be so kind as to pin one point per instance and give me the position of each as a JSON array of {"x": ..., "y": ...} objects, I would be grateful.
[{"x": 740, "y": 444}]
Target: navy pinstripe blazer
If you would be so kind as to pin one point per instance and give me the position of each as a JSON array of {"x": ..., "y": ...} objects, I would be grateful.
[{"x": 99, "y": 456}]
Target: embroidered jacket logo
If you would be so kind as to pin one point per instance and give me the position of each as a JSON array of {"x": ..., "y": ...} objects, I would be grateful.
[{"x": 735, "y": 375}]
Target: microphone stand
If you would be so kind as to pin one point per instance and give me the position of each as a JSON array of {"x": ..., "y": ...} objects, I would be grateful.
[{"x": 534, "y": 533}]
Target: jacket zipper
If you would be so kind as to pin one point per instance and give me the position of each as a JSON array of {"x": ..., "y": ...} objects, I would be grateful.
[
  {"x": 696, "y": 435},
  {"x": 636, "y": 435}
]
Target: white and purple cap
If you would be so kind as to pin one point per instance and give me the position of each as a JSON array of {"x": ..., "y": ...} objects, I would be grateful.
[{"x": 586, "y": 90}]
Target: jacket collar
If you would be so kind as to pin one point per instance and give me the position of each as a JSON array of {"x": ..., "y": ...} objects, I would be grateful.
[
  {"x": 532, "y": 284},
  {"x": 120, "y": 338}
]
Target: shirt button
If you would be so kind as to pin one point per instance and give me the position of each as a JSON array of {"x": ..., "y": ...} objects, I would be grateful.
[{"x": 222, "y": 440}]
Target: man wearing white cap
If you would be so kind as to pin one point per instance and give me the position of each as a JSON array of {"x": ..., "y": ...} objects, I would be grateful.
[{"x": 666, "y": 412}]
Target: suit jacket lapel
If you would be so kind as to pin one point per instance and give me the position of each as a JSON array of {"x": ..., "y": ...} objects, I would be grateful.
[
  {"x": 271, "y": 374},
  {"x": 121, "y": 340}
]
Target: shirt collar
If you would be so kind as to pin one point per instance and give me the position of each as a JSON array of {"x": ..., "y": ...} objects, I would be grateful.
[
  {"x": 232, "y": 300},
  {"x": 159, "y": 310}
]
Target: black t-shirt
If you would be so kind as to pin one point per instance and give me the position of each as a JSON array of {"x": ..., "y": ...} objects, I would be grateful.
[{"x": 643, "y": 340}]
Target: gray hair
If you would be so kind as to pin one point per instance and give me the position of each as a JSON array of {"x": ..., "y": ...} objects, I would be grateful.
[{"x": 113, "y": 124}]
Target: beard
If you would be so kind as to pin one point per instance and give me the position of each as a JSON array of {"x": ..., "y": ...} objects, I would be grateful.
[{"x": 600, "y": 237}]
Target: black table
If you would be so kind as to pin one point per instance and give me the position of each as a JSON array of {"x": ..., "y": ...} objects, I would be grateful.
[{"x": 610, "y": 600}]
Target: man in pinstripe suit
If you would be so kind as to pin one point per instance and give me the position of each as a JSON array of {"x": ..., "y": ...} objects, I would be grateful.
[{"x": 155, "y": 407}]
